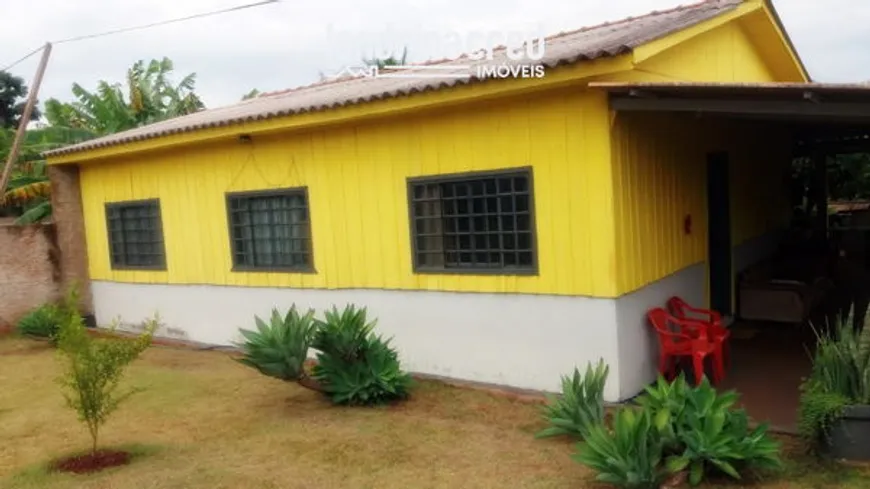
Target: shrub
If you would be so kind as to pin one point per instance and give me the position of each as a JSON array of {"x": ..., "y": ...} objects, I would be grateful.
[
  {"x": 354, "y": 365},
  {"x": 581, "y": 405},
  {"x": 279, "y": 348},
  {"x": 840, "y": 377},
  {"x": 629, "y": 455},
  {"x": 374, "y": 376},
  {"x": 343, "y": 334},
  {"x": 41, "y": 322},
  {"x": 93, "y": 369},
  {"x": 702, "y": 432}
]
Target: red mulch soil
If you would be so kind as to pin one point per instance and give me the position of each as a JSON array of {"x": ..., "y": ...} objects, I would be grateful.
[{"x": 92, "y": 462}]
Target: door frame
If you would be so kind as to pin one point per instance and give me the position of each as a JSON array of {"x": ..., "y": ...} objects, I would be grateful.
[{"x": 720, "y": 275}]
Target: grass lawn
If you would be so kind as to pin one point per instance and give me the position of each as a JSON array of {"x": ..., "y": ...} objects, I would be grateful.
[{"x": 205, "y": 421}]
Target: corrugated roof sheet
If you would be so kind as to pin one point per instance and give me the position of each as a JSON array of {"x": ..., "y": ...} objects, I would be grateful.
[{"x": 605, "y": 40}]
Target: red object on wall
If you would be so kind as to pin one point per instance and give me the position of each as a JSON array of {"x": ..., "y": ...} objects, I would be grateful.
[{"x": 687, "y": 224}]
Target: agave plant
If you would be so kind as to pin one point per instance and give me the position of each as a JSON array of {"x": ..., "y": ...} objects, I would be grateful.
[
  {"x": 629, "y": 456},
  {"x": 375, "y": 377},
  {"x": 714, "y": 436},
  {"x": 354, "y": 365},
  {"x": 279, "y": 348},
  {"x": 702, "y": 432},
  {"x": 840, "y": 377},
  {"x": 343, "y": 333},
  {"x": 581, "y": 405}
]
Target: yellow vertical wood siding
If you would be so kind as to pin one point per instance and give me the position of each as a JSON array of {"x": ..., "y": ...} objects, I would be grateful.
[
  {"x": 661, "y": 177},
  {"x": 659, "y": 160},
  {"x": 724, "y": 54},
  {"x": 356, "y": 178}
]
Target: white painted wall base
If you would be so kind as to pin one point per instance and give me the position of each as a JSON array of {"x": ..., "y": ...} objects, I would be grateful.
[
  {"x": 518, "y": 340},
  {"x": 524, "y": 341}
]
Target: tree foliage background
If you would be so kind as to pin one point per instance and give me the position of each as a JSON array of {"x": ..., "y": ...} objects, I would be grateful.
[{"x": 149, "y": 95}]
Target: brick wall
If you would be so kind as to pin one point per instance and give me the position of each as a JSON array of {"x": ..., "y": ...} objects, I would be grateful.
[
  {"x": 29, "y": 269},
  {"x": 66, "y": 201}
]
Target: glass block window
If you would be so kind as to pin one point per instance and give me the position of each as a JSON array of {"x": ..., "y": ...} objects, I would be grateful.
[
  {"x": 136, "y": 235},
  {"x": 270, "y": 230},
  {"x": 477, "y": 222}
]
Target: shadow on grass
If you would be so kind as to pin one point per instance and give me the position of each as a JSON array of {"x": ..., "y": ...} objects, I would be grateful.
[{"x": 41, "y": 474}]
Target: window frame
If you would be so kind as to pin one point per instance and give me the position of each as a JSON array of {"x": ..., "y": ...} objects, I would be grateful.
[
  {"x": 113, "y": 265},
  {"x": 277, "y": 192},
  {"x": 464, "y": 176}
]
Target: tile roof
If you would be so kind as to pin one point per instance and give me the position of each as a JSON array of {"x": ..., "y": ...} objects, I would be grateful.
[{"x": 588, "y": 43}]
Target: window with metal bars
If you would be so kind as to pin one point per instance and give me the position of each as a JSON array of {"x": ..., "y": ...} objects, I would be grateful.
[
  {"x": 270, "y": 230},
  {"x": 135, "y": 235},
  {"x": 479, "y": 223}
]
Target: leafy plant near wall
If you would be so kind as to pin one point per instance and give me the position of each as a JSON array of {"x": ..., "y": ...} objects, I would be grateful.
[
  {"x": 354, "y": 365},
  {"x": 702, "y": 432},
  {"x": 94, "y": 367},
  {"x": 42, "y": 322},
  {"x": 840, "y": 377},
  {"x": 628, "y": 455},
  {"x": 677, "y": 428},
  {"x": 279, "y": 348},
  {"x": 581, "y": 405}
]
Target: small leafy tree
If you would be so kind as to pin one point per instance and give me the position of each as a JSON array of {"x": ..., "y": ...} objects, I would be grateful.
[{"x": 93, "y": 368}]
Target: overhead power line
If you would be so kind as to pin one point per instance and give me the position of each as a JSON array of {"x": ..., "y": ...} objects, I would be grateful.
[
  {"x": 165, "y": 22},
  {"x": 145, "y": 26},
  {"x": 7, "y": 68}
]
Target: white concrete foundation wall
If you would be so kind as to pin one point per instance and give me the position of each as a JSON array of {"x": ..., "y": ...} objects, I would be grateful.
[{"x": 524, "y": 341}]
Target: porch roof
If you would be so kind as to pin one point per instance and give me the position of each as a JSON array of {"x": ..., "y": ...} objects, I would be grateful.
[{"x": 791, "y": 102}]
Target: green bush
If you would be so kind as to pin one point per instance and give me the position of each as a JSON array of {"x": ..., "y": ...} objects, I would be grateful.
[
  {"x": 42, "y": 322},
  {"x": 93, "y": 369},
  {"x": 343, "y": 334},
  {"x": 840, "y": 377},
  {"x": 354, "y": 365},
  {"x": 629, "y": 455},
  {"x": 581, "y": 405},
  {"x": 279, "y": 348},
  {"x": 702, "y": 432},
  {"x": 374, "y": 376}
]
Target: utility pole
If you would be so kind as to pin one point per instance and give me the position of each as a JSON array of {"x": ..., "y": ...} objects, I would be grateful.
[{"x": 25, "y": 119}]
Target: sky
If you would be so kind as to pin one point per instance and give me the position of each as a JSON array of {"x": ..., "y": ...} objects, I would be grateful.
[{"x": 293, "y": 42}]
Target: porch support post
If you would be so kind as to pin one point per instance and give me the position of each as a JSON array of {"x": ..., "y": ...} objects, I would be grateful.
[{"x": 820, "y": 196}]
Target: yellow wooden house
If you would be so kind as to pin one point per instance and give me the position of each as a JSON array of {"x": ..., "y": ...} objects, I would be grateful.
[{"x": 502, "y": 230}]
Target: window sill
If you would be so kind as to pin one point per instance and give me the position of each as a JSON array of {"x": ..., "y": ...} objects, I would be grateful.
[
  {"x": 477, "y": 271},
  {"x": 306, "y": 271}
]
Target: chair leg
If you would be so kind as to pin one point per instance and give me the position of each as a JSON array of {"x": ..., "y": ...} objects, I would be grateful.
[
  {"x": 664, "y": 365},
  {"x": 698, "y": 361},
  {"x": 719, "y": 362}
]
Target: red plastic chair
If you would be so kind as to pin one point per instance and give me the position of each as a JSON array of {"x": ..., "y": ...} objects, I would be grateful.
[
  {"x": 683, "y": 338},
  {"x": 711, "y": 319}
]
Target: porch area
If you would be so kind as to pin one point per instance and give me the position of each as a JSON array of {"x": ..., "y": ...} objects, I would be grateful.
[{"x": 772, "y": 295}]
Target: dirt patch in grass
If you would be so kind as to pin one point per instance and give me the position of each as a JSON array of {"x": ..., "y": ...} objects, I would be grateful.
[{"x": 92, "y": 462}]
